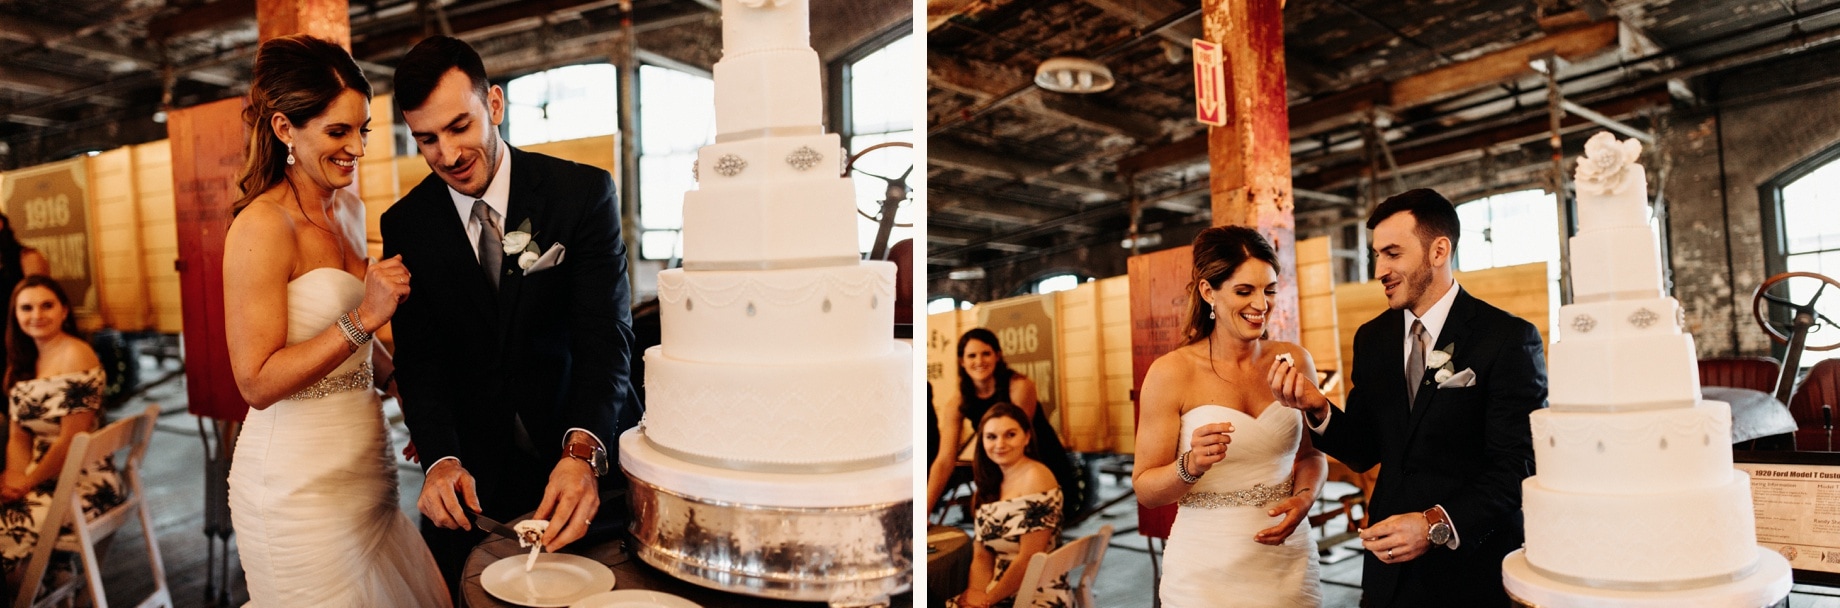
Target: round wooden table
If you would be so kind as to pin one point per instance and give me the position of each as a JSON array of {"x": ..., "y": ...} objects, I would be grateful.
[
  {"x": 948, "y": 563},
  {"x": 629, "y": 571}
]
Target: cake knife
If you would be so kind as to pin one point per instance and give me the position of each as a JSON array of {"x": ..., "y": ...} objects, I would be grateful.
[{"x": 488, "y": 524}]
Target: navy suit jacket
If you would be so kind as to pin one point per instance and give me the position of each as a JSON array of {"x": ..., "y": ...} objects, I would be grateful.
[
  {"x": 1467, "y": 449},
  {"x": 550, "y": 349}
]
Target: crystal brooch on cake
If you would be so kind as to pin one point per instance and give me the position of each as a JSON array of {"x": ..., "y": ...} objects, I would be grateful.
[
  {"x": 1583, "y": 323},
  {"x": 804, "y": 158},
  {"x": 730, "y": 165}
]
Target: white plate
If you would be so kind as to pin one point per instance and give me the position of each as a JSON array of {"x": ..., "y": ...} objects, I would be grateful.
[
  {"x": 558, "y": 579},
  {"x": 634, "y": 598}
]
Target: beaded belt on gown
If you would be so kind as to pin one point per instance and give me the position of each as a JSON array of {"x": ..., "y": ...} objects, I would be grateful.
[
  {"x": 355, "y": 379},
  {"x": 1259, "y": 496}
]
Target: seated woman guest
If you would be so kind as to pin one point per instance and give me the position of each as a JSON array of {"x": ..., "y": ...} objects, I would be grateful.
[
  {"x": 54, "y": 386},
  {"x": 984, "y": 379},
  {"x": 1018, "y": 514}
]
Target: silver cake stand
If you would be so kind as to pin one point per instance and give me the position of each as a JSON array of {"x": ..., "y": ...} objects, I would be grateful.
[{"x": 853, "y": 555}]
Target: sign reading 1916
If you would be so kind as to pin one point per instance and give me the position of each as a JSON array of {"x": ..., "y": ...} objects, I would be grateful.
[{"x": 48, "y": 208}]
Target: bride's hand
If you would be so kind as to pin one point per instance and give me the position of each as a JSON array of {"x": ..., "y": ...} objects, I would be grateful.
[
  {"x": 386, "y": 284},
  {"x": 1208, "y": 445},
  {"x": 1294, "y": 391},
  {"x": 1294, "y": 510}
]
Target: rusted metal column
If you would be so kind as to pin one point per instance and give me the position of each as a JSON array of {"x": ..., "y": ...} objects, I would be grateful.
[{"x": 1249, "y": 159}]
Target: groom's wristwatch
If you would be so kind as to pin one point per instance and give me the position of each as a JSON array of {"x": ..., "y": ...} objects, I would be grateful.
[
  {"x": 1440, "y": 532},
  {"x": 594, "y": 455}
]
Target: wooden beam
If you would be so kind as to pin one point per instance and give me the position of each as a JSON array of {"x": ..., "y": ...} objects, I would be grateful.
[
  {"x": 1532, "y": 128},
  {"x": 977, "y": 207},
  {"x": 1141, "y": 13},
  {"x": 526, "y": 14},
  {"x": 36, "y": 81},
  {"x": 200, "y": 17},
  {"x": 951, "y": 155},
  {"x": 1502, "y": 66},
  {"x": 1336, "y": 110}
]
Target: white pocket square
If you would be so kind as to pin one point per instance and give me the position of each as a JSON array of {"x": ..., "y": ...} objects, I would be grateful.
[
  {"x": 549, "y": 259},
  {"x": 1467, "y": 377}
]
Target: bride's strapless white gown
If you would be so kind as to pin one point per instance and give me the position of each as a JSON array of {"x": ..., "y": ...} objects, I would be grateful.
[
  {"x": 313, "y": 485},
  {"x": 1211, "y": 559}
]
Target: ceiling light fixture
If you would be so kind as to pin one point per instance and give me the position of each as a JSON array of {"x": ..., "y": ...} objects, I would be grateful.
[{"x": 1073, "y": 75}]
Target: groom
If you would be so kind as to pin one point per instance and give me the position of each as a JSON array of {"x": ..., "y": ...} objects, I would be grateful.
[
  {"x": 1441, "y": 396},
  {"x": 512, "y": 357}
]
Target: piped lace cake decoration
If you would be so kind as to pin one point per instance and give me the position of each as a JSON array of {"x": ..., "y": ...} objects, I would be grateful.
[
  {"x": 730, "y": 165},
  {"x": 1583, "y": 323},
  {"x": 804, "y": 158},
  {"x": 1642, "y": 318},
  {"x": 724, "y": 293},
  {"x": 1595, "y": 431},
  {"x": 1604, "y": 168}
]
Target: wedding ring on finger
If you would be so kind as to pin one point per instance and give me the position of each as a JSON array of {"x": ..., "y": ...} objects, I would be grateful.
[{"x": 1389, "y": 555}]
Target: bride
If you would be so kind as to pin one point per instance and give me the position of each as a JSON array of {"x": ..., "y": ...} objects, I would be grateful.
[
  {"x": 1243, "y": 491},
  {"x": 312, "y": 484}
]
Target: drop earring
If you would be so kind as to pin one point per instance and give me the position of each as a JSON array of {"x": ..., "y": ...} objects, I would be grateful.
[
  {"x": 1211, "y": 312},
  {"x": 290, "y": 156}
]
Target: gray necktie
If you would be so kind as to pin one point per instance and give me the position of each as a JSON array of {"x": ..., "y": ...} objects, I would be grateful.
[
  {"x": 1415, "y": 363},
  {"x": 491, "y": 245}
]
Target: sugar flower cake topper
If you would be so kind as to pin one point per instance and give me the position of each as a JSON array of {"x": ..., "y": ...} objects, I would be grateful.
[{"x": 1604, "y": 168}]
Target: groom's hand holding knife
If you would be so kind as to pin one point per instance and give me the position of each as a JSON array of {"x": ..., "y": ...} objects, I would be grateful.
[
  {"x": 572, "y": 497},
  {"x": 439, "y": 503}
]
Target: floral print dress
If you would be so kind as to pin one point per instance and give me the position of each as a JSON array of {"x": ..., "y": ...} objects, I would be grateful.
[
  {"x": 39, "y": 406},
  {"x": 1000, "y": 527}
]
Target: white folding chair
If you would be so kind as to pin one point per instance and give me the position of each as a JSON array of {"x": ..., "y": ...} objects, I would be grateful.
[
  {"x": 132, "y": 435},
  {"x": 1086, "y": 553}
]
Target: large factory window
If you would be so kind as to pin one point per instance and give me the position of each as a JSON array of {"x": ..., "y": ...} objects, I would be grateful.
[
  {"x": 881, "y": 82},
  {"x": 569, "y": 102},
  {"x": 1802, "y": 234},
  {"x": 1502, "y": 230},
  {"x": 677, "y": 115}
]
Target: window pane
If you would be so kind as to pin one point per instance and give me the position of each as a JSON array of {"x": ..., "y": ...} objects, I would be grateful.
[
  {"x": 676, "y": 117},
  {"x": 1474, "y": 251},
  {"x": 528, "y": 126},
  {"x": 1059, "y": 282},
  {"x": 939, "y": 305},
  {"x": 883, "y": 87},
  {"x": 1805, "y": 226},
  {"x": 659, "y": 244}
]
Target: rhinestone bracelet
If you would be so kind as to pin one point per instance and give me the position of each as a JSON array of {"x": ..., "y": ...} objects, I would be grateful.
[
  {"x": 1259, "y": 496},
  {"x": 354, "y": 337},
  {"x": 1182, "y": 469}
]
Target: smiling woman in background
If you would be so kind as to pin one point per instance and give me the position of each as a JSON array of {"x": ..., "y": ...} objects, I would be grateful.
[
  {"x": 54, "y": 387},
  {"x": 1018, "y": 508}
]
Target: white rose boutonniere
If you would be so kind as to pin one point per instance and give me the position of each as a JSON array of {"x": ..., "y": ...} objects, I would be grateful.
[
  {"x": 1439, "y": 362},
  {"x": 520, "y": 243}
]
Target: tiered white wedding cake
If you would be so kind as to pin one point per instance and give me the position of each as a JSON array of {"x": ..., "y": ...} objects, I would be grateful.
[
  {"x": 1635, "y": 501},
  {"x": 774, "y": 455}
]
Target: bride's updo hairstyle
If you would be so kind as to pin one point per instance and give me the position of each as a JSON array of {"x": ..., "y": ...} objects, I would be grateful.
[
  {"x": 298, "y": 76},
  {"x": 985, "y": 472},
  {"x": 1218, "y": 253}
]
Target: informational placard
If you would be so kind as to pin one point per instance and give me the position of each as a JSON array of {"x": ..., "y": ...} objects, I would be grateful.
[
  {"x": 1025, "y": 326},
  {"x": 48, "y": 207},
  {"x": 1796, "y": 496},
  {"x": 1210, "y": 84}
]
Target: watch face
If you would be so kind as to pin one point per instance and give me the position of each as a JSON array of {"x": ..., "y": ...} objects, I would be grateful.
[{"x": 1440, "y": 533}]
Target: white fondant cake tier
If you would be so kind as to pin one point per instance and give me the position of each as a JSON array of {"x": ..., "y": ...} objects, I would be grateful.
[
  {"x": 795, "y": 316},
  {"x": 1627, "y": 207},
  {"x": 1633, "y": 453},
  {"x": 786, "y": 224},
  {"x": 1615, "y": 263},
  {"x": 890, "y": 483},
  {"x": 1627, "y": 373},
  {"x": 1768, "y": 584},
  {"x": 840, "y": 411},
  {"x": 750, "y": 25},
  {"x": 1614, "y": 319},
  {"x": 1677, "y": 537},
  {"x": 771, "y": 159},
  {"x": 768, "y": 88}
]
